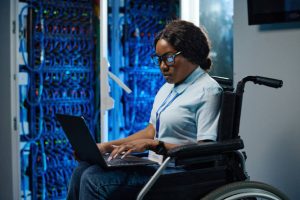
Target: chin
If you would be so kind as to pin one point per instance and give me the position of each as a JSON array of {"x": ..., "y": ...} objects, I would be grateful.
[{"x": 171, "y": 81}]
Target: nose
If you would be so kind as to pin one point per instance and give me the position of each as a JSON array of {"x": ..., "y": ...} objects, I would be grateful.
[{"x": 164, "y": 67}]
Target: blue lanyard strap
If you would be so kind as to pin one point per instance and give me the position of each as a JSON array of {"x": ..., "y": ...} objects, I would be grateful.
[
  {"x": 165, "y": 103},
  {"x": 163, "y": 106}
]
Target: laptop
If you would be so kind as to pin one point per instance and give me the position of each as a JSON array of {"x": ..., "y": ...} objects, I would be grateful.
[{"x": 79, "y": 136}]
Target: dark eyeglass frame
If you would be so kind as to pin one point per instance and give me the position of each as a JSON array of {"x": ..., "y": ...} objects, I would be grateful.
[{"x": 168, "y": 58}]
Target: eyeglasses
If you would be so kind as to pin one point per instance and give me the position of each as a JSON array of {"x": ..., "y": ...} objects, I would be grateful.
[{"x": 168, "y": 58}]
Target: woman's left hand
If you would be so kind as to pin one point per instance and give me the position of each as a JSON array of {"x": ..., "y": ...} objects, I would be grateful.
[{"x": 139, "y": 145}]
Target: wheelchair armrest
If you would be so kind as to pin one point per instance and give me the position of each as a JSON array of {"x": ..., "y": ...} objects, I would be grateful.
[{"x": 205, "y": 149}]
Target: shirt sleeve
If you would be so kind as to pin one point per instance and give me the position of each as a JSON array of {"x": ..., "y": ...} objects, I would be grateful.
[
  {"x": 152, "y": 119},
  {"x": 207, "y": 115}
]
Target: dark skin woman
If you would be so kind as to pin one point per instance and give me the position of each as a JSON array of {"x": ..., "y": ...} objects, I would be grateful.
[{"x": 185, "y": 110}]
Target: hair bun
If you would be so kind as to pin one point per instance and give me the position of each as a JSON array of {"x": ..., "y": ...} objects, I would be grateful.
[{"x": 206, "y": 64}]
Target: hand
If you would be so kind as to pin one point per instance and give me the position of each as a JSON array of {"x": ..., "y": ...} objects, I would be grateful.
[
  {"x": 139, "y": 145},
  {"x": 104, "y": 147}
]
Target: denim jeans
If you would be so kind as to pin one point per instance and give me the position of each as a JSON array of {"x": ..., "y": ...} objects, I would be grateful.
[{"x": 90, "y": 182}]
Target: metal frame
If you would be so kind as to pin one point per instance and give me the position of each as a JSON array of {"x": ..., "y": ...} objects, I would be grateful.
[
  {"x": 153, "y": 179},
  {"x": 9, "y": 141}
]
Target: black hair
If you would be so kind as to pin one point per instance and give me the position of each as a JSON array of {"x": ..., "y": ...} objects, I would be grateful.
[{"x": 191, "y": 40}]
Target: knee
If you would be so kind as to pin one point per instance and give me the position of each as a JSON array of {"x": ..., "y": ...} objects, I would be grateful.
[
  {"x": 78, "y": 171},
  {"x": 86, "y": 177},
  {"x": 88, "y": 185},
  {"x": 91, "y": 177}
]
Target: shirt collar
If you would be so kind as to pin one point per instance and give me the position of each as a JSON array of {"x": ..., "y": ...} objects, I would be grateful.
[{"x": 189, "y": 80}]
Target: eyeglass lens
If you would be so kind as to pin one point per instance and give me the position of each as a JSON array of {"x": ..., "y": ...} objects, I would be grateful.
[{"x": 169, "y": 59}]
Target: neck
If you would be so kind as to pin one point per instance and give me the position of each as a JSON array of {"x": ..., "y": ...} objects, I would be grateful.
[{"x": 193, "y": 69}]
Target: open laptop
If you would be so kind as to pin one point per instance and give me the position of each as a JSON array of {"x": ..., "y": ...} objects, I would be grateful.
[{"x": 85, "y": 147}]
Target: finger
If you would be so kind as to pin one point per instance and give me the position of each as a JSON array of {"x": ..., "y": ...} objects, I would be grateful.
[
  {"x": 112, "y": 154},
  {"x": 117, "y": 150},
  {"x": 126, "y": 153},
  {"x": 121, "y": 149}
]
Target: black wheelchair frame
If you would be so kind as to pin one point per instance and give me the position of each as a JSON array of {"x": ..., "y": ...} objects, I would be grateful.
[{"x": 215, "y": 170}]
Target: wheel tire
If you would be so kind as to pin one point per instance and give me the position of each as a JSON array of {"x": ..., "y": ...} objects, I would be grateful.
[{"x": 245, "y": 190}]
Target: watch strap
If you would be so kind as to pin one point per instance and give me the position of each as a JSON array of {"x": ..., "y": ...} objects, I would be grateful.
[{"x": 160, "y": 148}]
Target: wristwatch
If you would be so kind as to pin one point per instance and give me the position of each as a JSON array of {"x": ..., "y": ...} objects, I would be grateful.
[{"x": 160, "y": 148}]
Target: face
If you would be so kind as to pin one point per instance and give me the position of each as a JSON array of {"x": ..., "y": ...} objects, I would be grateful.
[{"x": 181, "y": 68}]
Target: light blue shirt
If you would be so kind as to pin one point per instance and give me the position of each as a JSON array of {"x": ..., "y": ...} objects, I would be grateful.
[{"x": 188, "y": 112}]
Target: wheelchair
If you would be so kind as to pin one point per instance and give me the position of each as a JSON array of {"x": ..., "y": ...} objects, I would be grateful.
[{"x": 214, "y": 170}]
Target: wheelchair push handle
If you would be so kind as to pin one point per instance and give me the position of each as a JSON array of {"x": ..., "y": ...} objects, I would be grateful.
[{"x": 271, "y": 82}]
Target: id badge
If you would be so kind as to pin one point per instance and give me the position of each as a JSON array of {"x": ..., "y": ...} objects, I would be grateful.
[{"x": 155, "y": 157}]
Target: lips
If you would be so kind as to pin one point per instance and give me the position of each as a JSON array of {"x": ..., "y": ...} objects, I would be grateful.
[{"x": 168, "y": 77}]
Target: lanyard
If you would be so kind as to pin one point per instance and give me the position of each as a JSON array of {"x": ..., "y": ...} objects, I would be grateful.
[{"x": 162, "y": 107}]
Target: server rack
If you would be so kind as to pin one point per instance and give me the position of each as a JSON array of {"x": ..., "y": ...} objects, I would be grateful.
[
  {"x": 58, "y": 66},
  {"x": 139, "y": 22}
]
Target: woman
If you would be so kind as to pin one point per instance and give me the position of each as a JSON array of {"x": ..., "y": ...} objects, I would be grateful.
[{"x": 185, "y": 110}]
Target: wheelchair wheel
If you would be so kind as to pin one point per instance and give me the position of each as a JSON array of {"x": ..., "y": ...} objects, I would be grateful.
[{"x": 246, "y": 190}]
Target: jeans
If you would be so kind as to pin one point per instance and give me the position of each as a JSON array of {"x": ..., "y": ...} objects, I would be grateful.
[{"x": 90, "y": 182}]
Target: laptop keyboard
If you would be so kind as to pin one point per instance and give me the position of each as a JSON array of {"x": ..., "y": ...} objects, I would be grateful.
[{"x": 127, "y": 161}]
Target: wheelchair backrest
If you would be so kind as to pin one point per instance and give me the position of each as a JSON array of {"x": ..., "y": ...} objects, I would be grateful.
[
  {"x": 231, "y": 104},
  {"x": 227, "y": 119}
]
